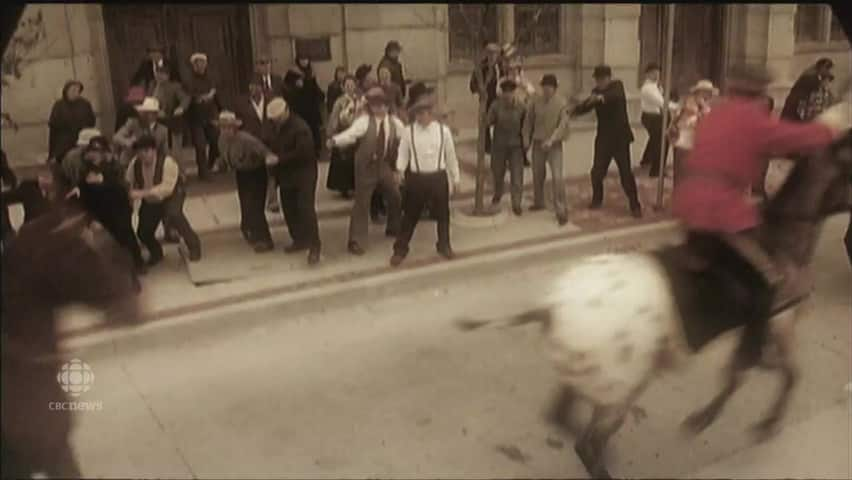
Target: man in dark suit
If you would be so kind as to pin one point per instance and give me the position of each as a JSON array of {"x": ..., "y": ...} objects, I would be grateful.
[
  {"x": 613, "y": 138},
  {"x": 296, "y": 169},
  {"x": 273, "y": 85},
  {"x": 146, "y": 74},
  {"x": 251, "y": 108}
]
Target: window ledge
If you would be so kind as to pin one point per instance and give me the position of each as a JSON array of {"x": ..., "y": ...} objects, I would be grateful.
[{"x": 813, "y": 47}]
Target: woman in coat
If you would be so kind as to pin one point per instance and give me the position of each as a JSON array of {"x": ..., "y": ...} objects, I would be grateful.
[
  {"x": 310, "y": 99},
  {"x": 341, "y": 171},
  {"x": 69, "y": 115}
]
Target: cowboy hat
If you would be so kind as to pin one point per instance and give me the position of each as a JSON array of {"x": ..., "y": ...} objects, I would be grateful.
[
  {"x": 276, "y": 108},
  {"x": 197, "y": 56},
  {"x": 704, "y": 86},
  {"x": 227, "y": 118},
  {"x": 86, "y": 135},
  {"x": 150, "y": 105}
]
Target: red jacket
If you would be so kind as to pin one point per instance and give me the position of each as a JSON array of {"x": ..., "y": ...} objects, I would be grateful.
[{"x": 733, "y": 146}]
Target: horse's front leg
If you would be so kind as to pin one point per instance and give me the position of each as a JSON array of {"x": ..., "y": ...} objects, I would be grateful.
[{"x": 703, "y": 418}]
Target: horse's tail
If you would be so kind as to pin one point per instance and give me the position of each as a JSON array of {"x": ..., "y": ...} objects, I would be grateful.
[{"x": 541, "y": 315}]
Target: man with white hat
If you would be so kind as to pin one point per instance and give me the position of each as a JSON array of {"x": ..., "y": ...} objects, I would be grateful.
[
  {"x": 248, "y": 157},
  {"x": 72, "y": 160},
  {"x": 682, "y": 130},
  {"x": 291, "y": 141},
  {"x": 377, "y": 135},
  {"x": 427, "y": 155},
  {"x": 203, "y": 111},
  {"x": 146, "y": 123}
]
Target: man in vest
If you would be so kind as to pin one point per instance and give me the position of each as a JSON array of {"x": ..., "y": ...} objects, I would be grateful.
[
  {"x": 427, "y": 155},
  {"x": 155, "y": 180},
  {"x": 378, "y": 135}
]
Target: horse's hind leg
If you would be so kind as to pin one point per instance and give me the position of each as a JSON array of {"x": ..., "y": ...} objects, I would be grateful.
[
  {"x": 703, "y": 418},
  {"x": 561, "y": 411},
  {"x": 785, "y": 363}
]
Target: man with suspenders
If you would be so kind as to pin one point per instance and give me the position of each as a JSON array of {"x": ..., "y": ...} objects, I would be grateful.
[
  {"x": 377, "y": 135},
  {"x": 427, "y": 157}
]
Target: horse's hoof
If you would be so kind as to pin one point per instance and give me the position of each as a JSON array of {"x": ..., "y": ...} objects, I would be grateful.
[
  {"x": 591, "y": 462},
  {"x": 765, "y": 429},
  {"x": 697, "y": 422}
]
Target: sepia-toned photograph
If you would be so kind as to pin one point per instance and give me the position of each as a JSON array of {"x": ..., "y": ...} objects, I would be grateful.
[{"x": 295, "y": 240}]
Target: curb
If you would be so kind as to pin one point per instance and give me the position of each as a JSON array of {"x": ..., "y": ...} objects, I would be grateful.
[{"x": 383, "y": 280}]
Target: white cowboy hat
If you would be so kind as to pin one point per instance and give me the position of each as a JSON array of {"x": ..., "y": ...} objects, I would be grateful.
[
  {"x": 228, "y": 118},
  {"x": 86, "y": 135},
  {"x": 150, "y": 105},
  {"x": 198, "y": 56},
  {"x": 704, "y": 85},
  {"x": 276, "y": 108}
]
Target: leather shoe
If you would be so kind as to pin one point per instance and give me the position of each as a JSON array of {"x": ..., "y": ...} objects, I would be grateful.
[
  {"x": 446, "y": 252},
  {"x": 562, "y": 220},
  {"x": 517, "y": 211},
  {"x": 355, "y": 249},
  {"x": 495, "y": 200},
  {"x": 194, "y": 255},
  {"x": 293, "y": 248},
  {"x": 154, "y": 260},
  {"x": 595, "y": 205},
  {"x": 314, "y": 256},
  {"x": 396, "y": 260},
  {"x": 636, "y": 211},
  {"x": 537, "y": 208}
]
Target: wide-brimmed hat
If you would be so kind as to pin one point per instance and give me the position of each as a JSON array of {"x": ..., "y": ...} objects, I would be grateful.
[
  {"x": 86, "y": 135},
  {"x": 227, "y": 118},
  {"x": 376, "y": 95},
  {"x": 149, "y": 105},
  {"x": 276, "y": 108},
  {"x": 704, "y": 86},
  {"x": 549, "y": 79},
  {"x": 197, "y": 56}
]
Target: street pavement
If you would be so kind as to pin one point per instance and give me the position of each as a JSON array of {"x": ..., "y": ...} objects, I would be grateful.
[{"x": 383, "y": 385}]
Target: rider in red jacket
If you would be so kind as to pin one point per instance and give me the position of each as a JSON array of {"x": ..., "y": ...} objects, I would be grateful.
[{"x": 733, "y": 145}]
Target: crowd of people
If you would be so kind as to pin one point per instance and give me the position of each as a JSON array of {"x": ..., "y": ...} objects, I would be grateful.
[{"x": 389, "y": 149}]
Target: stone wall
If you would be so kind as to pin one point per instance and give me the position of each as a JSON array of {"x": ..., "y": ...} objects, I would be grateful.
[{"x": 72, "y": 47}]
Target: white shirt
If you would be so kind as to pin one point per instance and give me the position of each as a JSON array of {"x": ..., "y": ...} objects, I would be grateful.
[
  {"x": 267, "y": 80},
  {"x": 359, "y": 128},
  {"x": 651, "y": 98},
  {"x": 161, "y": 191},
  {"x": 258, "y": 107},
  {"x": 427, "y": 140}
]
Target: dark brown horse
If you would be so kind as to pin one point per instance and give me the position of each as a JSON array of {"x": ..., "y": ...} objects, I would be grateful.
[{"x": 61, "y": 258}]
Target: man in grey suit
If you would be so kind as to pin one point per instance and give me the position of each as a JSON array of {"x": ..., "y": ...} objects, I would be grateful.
[
  {"x": 378, "y": 137},
  {"x": 146, "y": 124}
]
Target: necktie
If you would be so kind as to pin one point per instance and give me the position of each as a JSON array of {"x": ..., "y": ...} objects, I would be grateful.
[
  {"x": 380, "y": 142},
  {"x": 268, "y": 83}
]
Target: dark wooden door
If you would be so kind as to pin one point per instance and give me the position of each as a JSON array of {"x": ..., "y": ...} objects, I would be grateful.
[
  {"x": 221, "y": 31},
  {"x": 697, "y": 51}
]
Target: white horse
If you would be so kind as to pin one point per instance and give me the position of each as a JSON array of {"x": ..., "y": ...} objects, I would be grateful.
[{"x": 616, "y": 321}]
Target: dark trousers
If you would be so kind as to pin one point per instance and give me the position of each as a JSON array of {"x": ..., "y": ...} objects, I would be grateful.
[
  {"x": 654, "y": 125},
  {"x": 298, "y": 204},
  {"x": 422, "y": 189},
  {"x": 251, "y": 189},
  {"x": 513, "y": 159},
  {"x": 377, "y": 205},
  {"x": 150, "y": 216},
  {"x": 605, "y": 151},
  {"x": 204, "y": 135}
]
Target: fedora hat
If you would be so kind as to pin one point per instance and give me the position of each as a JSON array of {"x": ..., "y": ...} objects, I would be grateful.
[
  {"x": 704, "y": 86},
  {"x": 197, "y": 56},
  {"x": 276, "y": 108},
  {"x": 86, "y": 135},
  {"x": 150, "y": 105},
  {"x": 227, "y": 117}
]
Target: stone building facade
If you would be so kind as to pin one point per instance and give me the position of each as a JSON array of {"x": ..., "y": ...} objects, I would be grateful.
[{"x": 97, "y": 45}]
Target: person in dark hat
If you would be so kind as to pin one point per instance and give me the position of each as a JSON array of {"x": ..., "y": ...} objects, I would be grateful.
[
  {"x": 506, "y": 116},
  {"x": 492, "y": 72},
  {"x": 311, "y": 100},
  {"x": 377, "y": 136},
  {"x": 156, "y": 182},
  {"x": 809, "y": 82},
  {"x": 613, "y": 137},
  {"x": 392, "y": 62},
  {"x": 364, "y": 77},
  {"x": 733, "y": 144},
  {"x": 545, "y": 128},
  {"x": 69, "y": 115},
  {"x": 427, "y": 158},
  {"x": 146, "y": 74}
]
